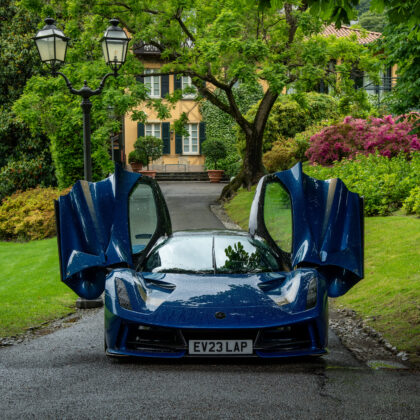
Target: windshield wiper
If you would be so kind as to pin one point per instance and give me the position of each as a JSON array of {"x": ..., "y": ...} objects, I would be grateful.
[{"x": 183, "y": 271}]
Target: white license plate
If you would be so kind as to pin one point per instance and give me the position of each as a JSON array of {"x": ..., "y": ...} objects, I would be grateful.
[{"x": 220, "y": 347}]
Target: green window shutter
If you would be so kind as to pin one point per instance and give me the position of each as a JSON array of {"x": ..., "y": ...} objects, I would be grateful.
[
  {"x": 166, "y": 139},
  {"x": 177, "y": 84},
  {"x": 202, "y": 133},
  {"x": 178, "y": 144},
  {"x": 140, "y": 130},
  {"x": 164, "y": 85}
]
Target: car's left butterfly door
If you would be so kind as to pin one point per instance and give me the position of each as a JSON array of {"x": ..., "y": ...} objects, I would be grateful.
[{"x": 106, "y": 224}]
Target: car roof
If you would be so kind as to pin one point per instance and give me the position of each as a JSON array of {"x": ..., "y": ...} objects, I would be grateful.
[{"x": 212, "y": 232}]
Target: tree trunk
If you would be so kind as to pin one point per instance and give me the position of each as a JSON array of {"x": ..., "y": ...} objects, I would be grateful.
[
  {"x": 252, "y": 166},
  {"x": 252, "y": 169}
]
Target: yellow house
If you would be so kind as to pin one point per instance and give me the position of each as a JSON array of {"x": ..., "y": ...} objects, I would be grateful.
[
  {"x": 180, "y": 153},
  {"x": 183, "y": 153}
]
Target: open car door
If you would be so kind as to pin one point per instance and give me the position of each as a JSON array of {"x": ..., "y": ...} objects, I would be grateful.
[
  {"x": 107, "y": 224},
  {"x": 311, "y": 223}
]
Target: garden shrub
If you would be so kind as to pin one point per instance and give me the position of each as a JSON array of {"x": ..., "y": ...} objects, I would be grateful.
[
  {"x": 285, "y": 153},
  {"x": 282, "y": 155},
  {"x": 215, "y": 151},
  {"x": 384, "y": 182},
  {"x": 353, "y": 136},
  {"x": 412, "y": 202},
  {"x": 292, "y": 114},
  {"x": 25, "y": 173},
  {"x": 29, "y": 215},
  {"x": 303, "y": 139},
  {"x": 319, "y": 106},
  {"x": 148, "y": 149}
]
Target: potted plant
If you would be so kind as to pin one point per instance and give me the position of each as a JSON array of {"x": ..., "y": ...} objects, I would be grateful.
[
  {"x": 136, "y": 160},
  {"x": 150, "y": 148},
  {"x": 214, "y": 150}
]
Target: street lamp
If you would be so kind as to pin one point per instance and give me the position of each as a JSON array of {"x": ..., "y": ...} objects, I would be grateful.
[{"x": 52, "y": 47}]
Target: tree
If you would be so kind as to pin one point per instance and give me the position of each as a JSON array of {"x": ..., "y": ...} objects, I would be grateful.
[
  {"x": 398, "y": 47},
  {"x": 406, "y": 12},
  {"x": 221, "y": 42},
  {"x": 148, "y": 147},
  {"x": 48, "y": 108},
  {"x": 363, "y": 7},
  {"x": 215, "y": 150},
  {"x": 18, "y": 62},
  {"x": 373, "y": 21}
]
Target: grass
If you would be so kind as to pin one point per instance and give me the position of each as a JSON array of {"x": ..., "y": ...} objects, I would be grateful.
[
  {"x": 389, "y": 295},
  {"x": 31, "y": 292}
]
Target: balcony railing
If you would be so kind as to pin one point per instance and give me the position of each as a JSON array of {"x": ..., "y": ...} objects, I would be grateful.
[
  {"x": 142, "y": 49},
  {"x": 385, "y": 86}
]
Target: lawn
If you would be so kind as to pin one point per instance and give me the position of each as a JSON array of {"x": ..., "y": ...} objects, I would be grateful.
[
  {"x": 30, "y": 288},
  {"x": 389, "y": 295}
]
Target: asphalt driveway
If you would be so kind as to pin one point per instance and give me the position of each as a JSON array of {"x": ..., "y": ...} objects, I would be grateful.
[{"x": 65, "y": 374}]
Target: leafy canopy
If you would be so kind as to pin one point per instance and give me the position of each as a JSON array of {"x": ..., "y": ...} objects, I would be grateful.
[{"x": 218, "y": 43}]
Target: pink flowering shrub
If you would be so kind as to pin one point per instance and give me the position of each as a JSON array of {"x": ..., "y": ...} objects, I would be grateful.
[{"x": 386, "y": 135}]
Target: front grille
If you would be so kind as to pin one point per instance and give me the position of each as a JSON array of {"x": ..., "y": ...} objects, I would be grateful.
[
  {"x": 166, "y": 340},
  {"x": 155, "y": 339},
  {"x": 284, "y": 339}
]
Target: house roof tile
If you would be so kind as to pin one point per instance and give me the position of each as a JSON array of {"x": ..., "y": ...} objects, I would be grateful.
[{"x": 363, "y": 36}]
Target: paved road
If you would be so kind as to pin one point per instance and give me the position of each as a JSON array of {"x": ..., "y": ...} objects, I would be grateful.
[{"x": 66, "y": 374}]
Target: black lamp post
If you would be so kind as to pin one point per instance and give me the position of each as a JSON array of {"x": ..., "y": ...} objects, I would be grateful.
[{"x": 52, "y": 48}]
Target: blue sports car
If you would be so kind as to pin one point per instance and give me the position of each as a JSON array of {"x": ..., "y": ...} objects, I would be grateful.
[{"x": 212, "y": 292}]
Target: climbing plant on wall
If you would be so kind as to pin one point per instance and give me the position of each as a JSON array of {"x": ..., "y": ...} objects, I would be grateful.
[{"x": 221, "y": 126}]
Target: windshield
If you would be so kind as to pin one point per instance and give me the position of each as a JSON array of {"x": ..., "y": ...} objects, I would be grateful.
[{"x": 211, "y": 254}]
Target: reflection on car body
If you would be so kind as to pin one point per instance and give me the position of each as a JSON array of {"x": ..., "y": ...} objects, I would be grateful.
[{"x": 212, "y": 293}]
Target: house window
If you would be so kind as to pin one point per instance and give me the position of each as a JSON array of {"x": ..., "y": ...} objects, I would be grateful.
[
  {"x": 190, "y": 142},
  {"x": 187, "y": 83},
  {"x": 152, "y": 83},
  {"x": 152, "y": 130}
]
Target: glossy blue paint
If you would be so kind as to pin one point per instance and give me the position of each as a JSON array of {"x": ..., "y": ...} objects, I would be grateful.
[
  {"x": 193, "y": 301},
  {"x": 190, "y": 302},
  {"x": 327, "y": 226},
  {"x": 93, "y": 231},
  {"x": 94, "y": 237}
]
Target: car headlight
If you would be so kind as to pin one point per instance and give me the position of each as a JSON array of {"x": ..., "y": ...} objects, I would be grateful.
[
  {"x": 311, "y": 297},
  {"x": 281, "y": 292},
  {"x": 122, "y": 294}
]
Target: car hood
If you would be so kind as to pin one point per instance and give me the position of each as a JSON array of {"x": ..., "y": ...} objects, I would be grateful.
[{"x": 181, "y": 300}]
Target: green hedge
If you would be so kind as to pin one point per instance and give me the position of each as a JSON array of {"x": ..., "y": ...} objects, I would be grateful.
[
  {"x": 25, "y": 173},
  {"x": 412, "y": 202},
  {"x": 29, "y": 215},
  {"x": 385, "y": 183}
]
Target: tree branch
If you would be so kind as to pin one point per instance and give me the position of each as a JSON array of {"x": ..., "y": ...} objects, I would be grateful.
[
  {"x": 291, "y": 21},
  {"x": 126, "y": 6},
  {"x": 182, "y": 24}
]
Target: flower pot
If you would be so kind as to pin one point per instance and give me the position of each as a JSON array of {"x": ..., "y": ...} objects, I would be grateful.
[
  {"x": 215, "y": 175},
  {"x": 136, "y": 167},
  {"x": 151, "y": 174}
]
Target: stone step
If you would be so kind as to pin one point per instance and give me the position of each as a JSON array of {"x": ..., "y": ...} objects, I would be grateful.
[{"x": 185, "y": 176}]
